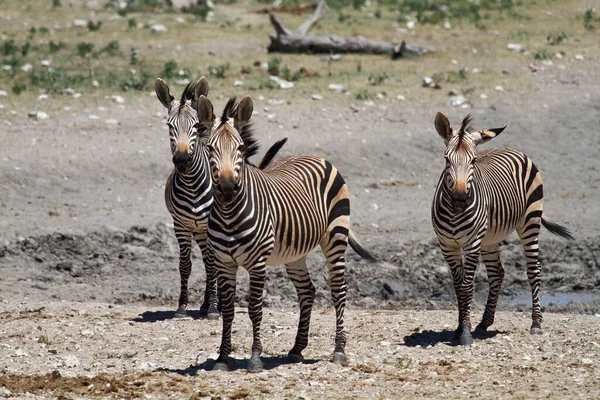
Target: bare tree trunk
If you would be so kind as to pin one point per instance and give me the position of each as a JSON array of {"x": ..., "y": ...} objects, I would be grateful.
[{"x": 286, "y": 41}]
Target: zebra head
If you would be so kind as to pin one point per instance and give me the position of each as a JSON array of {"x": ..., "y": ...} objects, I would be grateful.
[
  {"x": 230, "y": 143},
  {"x": 460, "y": 156},
  {"x": 184, "y": 127}
]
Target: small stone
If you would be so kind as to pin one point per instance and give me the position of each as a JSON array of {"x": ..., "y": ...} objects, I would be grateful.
[
  {"x": 515, "y": 47},
  {"x": 483, "y": 96},
  {"x": 452, "y": 92},
  {"x": 158, "y": 28},
  {"x": 112, "y": 121},
  {"x": 45, "y": 63},
  {"x": 400, "y": 97},
  {"x": 282, "y": 83},
  {"x": 447, "y": 25},
  {"x": 93, "y": 117},
  {"x": 70, "y": 361},
  {"x": 238, "y": 83},
  {"x": 180, "y": 19},
  {"x": 4, "y": 392},
  {"x": 335, "y": 57},
  {"x": 460, "y": 101},
  {"x": 427, "y": 82},
  {"x": 411, "y": 24},
  {"x": 42, "y": 96},
  {"x": 499, "y": 88},
  {"x": 587, "y": 361},
  {"x": 558, "y": 55},
  {"x": 38, "y": 115},
  {"x": 76, "y": 95},
  {"x": 68, "y": 91},
  {"x": 118, "y": 99},
  {"x": 3, "y": 93},
  {"x": 95, "y": 83},
  {"x": 7, "y": 67},
  {"x": 20, "y": 353},
  {"x": 336, "y": 87},
  {"x": 80, "y": 23},
  {"x": 316, "y": 96},
  {"x": 475, "y": 71},
  {"x": 579, "y": 56},
  {"x": 87, "y": 332}
]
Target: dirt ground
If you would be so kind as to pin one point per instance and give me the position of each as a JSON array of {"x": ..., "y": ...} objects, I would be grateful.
[{"x": 88, "y": 260}]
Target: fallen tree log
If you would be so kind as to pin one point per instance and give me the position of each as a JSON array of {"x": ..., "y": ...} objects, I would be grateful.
[{"x": 286, "y": 41}]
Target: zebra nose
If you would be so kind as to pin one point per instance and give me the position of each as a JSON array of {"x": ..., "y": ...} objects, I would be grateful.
[
  {"x": 181, "y": 158},
  {"x": 460, "y": 196}
]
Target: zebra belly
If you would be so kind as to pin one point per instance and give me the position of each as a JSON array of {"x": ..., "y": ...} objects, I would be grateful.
[{"x": 495, "y": 233}]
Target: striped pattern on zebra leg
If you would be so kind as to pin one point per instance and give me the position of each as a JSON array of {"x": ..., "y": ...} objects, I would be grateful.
[
  {"x": 210, "y": 305},
  {"x": 528, "y": 233},
  {"x": 226, "y": 277},
  {"x": 495, "y": 272},
  {"x": 305, "y": 289},
  {"x": 255, "y": 304},
  {"x": 184, "y": 239}
]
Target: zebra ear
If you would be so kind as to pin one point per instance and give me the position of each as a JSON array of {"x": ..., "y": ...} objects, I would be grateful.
[
  {"x": 205, "y": 111},
  {"x": 163, "y": 93},
  {"x": 201, "y": 88},
  {"x": 442, "y": 126},
  {"x": 244, "y": 112},
  {"x": 486, "y": 135}
]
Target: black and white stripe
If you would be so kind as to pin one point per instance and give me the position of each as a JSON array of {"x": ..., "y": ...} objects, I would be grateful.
[
  {"x": 273, "y": 216},
  {"x": 480, "y": 199}
]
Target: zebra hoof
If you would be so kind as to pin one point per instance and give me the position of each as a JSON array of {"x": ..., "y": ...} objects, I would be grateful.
[
  {"x": 255, "y": 364},
  {"x": 536, "y": 329},
  {"x": 466, "y": 339},
  {"x": 203, "y": 312},
  {"x": 295, "y": 358},
  {"x": 221, "y": 366},
  {"x": 213, "y": 316},
  {"x": 480, "y": 330},
  {"x": 181, "y": 312},
  {"x": 339, "y": 357}
]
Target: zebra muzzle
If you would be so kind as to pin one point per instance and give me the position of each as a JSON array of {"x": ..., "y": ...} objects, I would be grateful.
[
  {"x": 181, "y": 159},
  {"x": 226, "y": 190},
  {"x": 459, "y": 200}
]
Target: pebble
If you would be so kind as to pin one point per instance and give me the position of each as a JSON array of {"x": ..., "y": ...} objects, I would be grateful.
[
  {"x": 447, "y": 25},
  {"x": 400, "y": 97},
  {"x": 316, "y": 96},
  {"x": 3, "y": 93},
  {"x": 93, "y": 117},
  {"x": 4, "y": 392},
  {"x": 80, "y": 23},
  {"x": 587, "y": 361},
  {"x": 517, "y": 48},
  {"x": 112, "y": 121},
  {"x": 20, "y": 353},
  {"x": 118, "y": 99},
  {"x": 158, "y": 28},
  {"x": 238, "y": 83},
  {"x": 579, "y": 56},
  {"x": 180, "y": 19},
  {"x": 70, "y": 361},
  {"x": 411, "y": 24},
  {"x": 38, "y": 115},
  {"x": 499, "y": 88},
  {"x": 427, "y": 82},
  {"x": 282, "y": 83},
  {"x": 483, "y": 96},
  {"x": 460, "y": 101},
  {"x": 336, "y": 87},
  {"x": 335, "y": 57},
  {"x": 45, "y": 63},
  {"x": 42, "y": 96}
]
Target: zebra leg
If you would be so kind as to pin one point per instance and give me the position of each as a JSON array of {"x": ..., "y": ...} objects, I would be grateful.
[
  {"x": 528, "y": 234},
  {"x": 334, "y": 247},
  {"x": 495, "y": 273},
  {"x": 255, "y": 304},
  {"x": 184, "y": 239},
  {"x": 211, "y": 300},
  {"x": 305, "y": 289},
  {"x": 226, "y": 276}
]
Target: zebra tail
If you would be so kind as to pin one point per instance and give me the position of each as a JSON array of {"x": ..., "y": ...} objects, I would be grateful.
[
  {"x": 557, "y": 229},
  {"x": 359, "y": 249},
  {"x": 271, "y": 153}
]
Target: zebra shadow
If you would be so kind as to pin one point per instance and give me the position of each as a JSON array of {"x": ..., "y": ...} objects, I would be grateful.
[
  {"x": 155, "y": 316},
  {"x": 432, "y": 338},
  {"x": 236, "y": 364}
]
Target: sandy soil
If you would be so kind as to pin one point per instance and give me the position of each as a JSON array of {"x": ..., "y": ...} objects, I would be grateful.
[{"x": 82, "y": 219}]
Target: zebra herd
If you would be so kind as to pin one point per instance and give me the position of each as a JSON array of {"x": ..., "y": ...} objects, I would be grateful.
[{"x": 251, "y": 216}]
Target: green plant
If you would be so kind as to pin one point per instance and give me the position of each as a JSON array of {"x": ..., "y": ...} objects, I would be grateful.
[
  {"x": 170, "y": 70},
  {"x": 377, "y": 13},
  {"x": 219, "y": 71},
  {"x": 18, "y": 88},
  {"x": 131, "y": 23},
  {"x": 133, "y": 56},
  {"x": 93, "y": 27},
  {"x": 364, "y": 95},
  {"x": 135, "y": 81},
  {"x": 54, "y": 47},
  {"x": 25, "y": 49},
  {"x": 273, "y": 65},
  {"x": 32, "y": 32},
  {"x": 200, "y": 12},
  {"x": 588, "y": 19},
  {"x": 85, "y": 49},
  {"x": 43, "y": 30},
  {"x": 56, "y": 3},
  {"x": 9, "y": 47},
  {"x": 111, "y": 49},
  {"x": 556, "y": 38},
  {"x": 378, "y": 78},
  {"x": 541, "y": 54}
]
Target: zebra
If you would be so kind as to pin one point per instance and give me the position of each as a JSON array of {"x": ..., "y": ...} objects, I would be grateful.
[
  {"x": 188, "y": 194},
  {"x": 273, "y": 216},
  {"x": 480, "y": 199}
]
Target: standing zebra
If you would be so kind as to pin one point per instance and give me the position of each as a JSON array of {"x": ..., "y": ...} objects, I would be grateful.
[
  {"x": 188, "y": 193},
  {"x": 273, "y": 216},
  {"x": 481, "y": 198}
]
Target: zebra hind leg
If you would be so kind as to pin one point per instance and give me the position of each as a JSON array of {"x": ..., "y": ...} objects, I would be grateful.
[
  {"x": 210, "y": 306},
  {"x": 184, "y": 240},
  {"x": 495, "y": 272},
  {"x": 334, "y": 246},
  {"x": 305, "y": 289},
  {"x": 528, "y": 234},
  {"x": 227, "y": 279}
]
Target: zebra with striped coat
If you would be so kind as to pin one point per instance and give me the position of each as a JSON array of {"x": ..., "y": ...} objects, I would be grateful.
[
  {"x": 188, "y": 193},
  {"x": 273, "y": 216},
  {"x": 481, "y": 198}
]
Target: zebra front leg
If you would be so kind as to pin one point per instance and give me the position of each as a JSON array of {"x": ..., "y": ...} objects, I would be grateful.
[
  {"x": 454, "y": 259},
  {"x": 226, "y": 276},
  {"x": 255, "y": 304},
  {"x": 495, "y": 273},
  {"x": 210, "y": 306},
  {"x": 305, "y": 289},
  {"x": 184, "y": 239},
  {"x": 470, "y": 266},
  {"x": 529, "y": 239}
]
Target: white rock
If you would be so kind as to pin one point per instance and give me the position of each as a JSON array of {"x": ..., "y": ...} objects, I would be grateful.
[
  {"x": 558, "y": 55},
  {"x": 95, "y": 83},
  {"x": 238, "y": 83},
  {"x": 20, "y": 353},
  {"x": 475, "y": 71},
  {"x": 4, "y": 392},
  {"x": 336, "y": 87},
  {"x": 93, "y": 117},
  {"x": 411, "y": 24},
  {"x": 380, "y": 96},
  {"x": 316, "y": 96},
  {"x": 7, "y": 67},
  {"x": 158, "y": 28},
  {"x": 270, "y": 116},
  {"x": 76, "y": 95},
  {"x": 38, "y": 115},
  {"x": 112, "y": 121},
  {"x": 1, "y": 107},
  {"x": 499, "y": 88},
  {"x": 42, "y": 96},
  {"x": 335, "y": 57},
  {"x": 3, "y": 93},
  {"x": 483, "y": 96},
  {"x": 283, "y": 84},
  {"x": 579, "y": 56},
  {"x": 70, "y": 361},
  {"x": 447, "y": 25},
  {"x": 68, "y": 91},
  {"x": 27, "y": 68},
  {"x": 182, "y": 82},
  {"x": 118, "y": 99},
  {"x": 460, "y": 101},
  {"x": 87, "y": 332},
  {"x": 274, "y": 102},
  {"x": 400, "y": 97},
  {"x": 516, "y": 47},
  {"x": 80, "y": 23},
  {"x": 587, "y": 361},
  {"x": 45, "y": 63},
  {"x": 427, "y": 82},
  {"x": 180, "y": 19}
]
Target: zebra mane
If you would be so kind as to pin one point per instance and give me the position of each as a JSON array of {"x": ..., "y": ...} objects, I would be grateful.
[
  {"x": 464, "y": 127},
  {"x": 188, "y": 94},
  {"x": 246, "y": 131}
]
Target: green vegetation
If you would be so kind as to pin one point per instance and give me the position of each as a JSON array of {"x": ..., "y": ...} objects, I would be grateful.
[{"x": 589, "y": 18}]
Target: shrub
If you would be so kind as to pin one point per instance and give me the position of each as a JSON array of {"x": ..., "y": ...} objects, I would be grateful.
[
  {"x": 56, "y": 47},
  {"x": 219, "y": 71},
  {"x": 111, "y": 49},
  {"x": 85, "y": 49},
  {"x": 93, "y": 27}
]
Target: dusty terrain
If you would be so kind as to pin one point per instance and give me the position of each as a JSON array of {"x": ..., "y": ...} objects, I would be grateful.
[{"x": 88, "y": 260}]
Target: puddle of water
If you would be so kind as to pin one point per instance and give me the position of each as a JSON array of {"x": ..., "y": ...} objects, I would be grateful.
[{"x": 558, "y": 298}]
